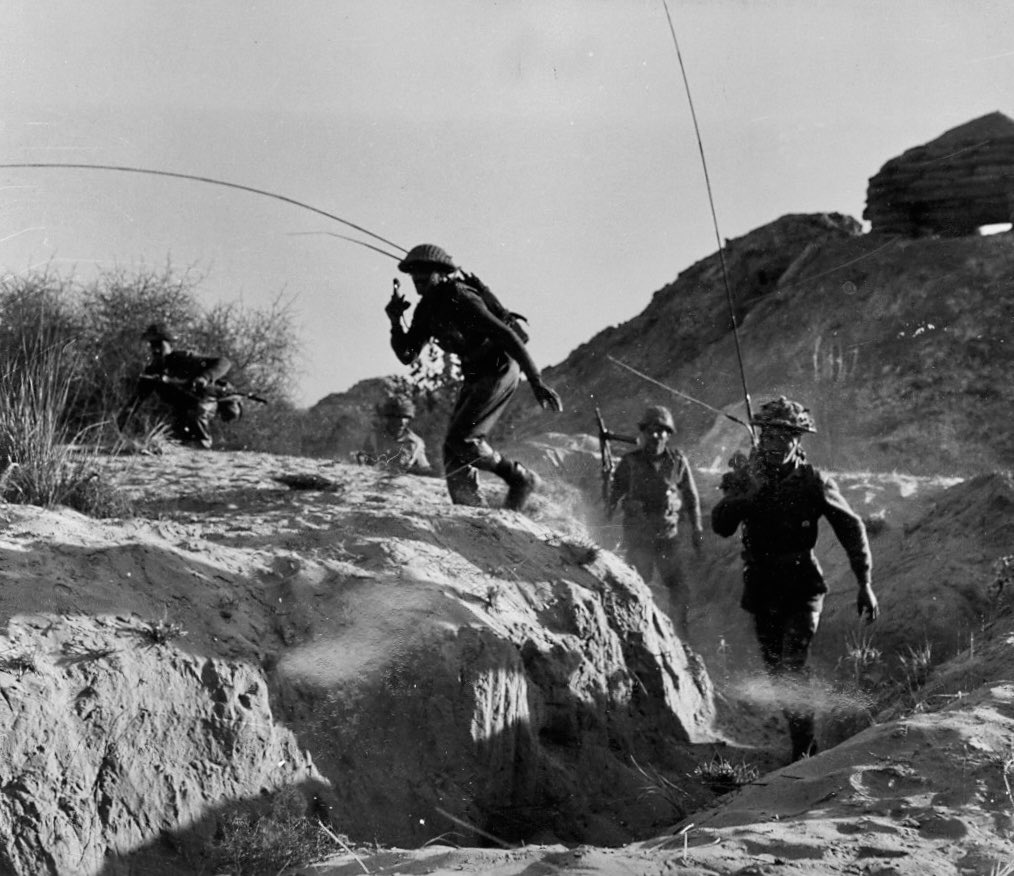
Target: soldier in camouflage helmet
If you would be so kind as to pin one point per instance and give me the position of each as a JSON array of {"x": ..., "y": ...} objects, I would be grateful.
[
  {"x": 777, "y": 499},
  {"x": 392, "y": 444},
  {"x": 465, "y": 319},
  {"x": 656, "y": 486}
]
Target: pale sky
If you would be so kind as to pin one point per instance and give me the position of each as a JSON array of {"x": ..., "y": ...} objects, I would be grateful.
[{"x": 547, "y": 145}]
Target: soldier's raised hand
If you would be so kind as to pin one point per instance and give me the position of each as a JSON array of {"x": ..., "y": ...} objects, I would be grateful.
[{"x": 397, "y": 305}]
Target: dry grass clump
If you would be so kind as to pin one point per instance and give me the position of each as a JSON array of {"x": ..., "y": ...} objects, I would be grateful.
[
  {"x": 280, "y": 834},
  {"x": 42, "y": 462},
  {"x": 722, "y": 775}
]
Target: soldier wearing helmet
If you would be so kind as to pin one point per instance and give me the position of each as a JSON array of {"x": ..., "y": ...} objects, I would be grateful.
[
  {"x": 776, "y": 499},
  {"x": 392, "y": 444},
  {"x": 656, "y": 486},
  {"x": 184, "y": 381},
  {"x": 463, "y": 317}
]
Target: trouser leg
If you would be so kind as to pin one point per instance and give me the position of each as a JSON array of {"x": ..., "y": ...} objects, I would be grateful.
[
  {"x": 480, "y": 403},
  {"x": 670, "y": 570},
  {"x": 192, "y": 424},
  {"x": 785, "y": 635}
]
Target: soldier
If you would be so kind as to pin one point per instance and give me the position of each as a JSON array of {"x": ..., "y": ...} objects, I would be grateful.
[
  {"x": 184, "y": 381},
  {"x": 392, "y": 444},
  {"x": 655, "y": 485},
  {"x": 460, "y": 317},
  {"x": 778, "y": 498}
]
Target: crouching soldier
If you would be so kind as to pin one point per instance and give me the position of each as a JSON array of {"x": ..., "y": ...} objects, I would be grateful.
[
  {"x": 655, "y": 485},
  {"x": 184, "y": 382},
  {"x": 778, "y": 499},
  {"x": 465, "y": 319},
  {"x": 392, "y": 444}
]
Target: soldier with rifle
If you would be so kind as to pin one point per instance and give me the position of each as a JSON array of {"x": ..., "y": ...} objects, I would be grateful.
[
  {"x": 655, "y": 485},
  {"x": 777, "y": 499},
  {"x": 464, "y": 318},
  {"x": 184, "y": 381}
]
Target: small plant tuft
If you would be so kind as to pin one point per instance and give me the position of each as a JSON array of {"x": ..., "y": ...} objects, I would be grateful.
[
  {"x": 160, "y": 632},
  {"x": 723, "y": 775},
  {"x": 20, "y": 662}
]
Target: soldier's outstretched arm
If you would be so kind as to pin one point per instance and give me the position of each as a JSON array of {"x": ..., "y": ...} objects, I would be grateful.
[
  {"x": 851, "y": 533},
  {"x": 512, "y": 345}
]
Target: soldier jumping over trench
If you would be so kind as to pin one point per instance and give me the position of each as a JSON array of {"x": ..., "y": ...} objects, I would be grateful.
[{"x": 460, "y": 317}]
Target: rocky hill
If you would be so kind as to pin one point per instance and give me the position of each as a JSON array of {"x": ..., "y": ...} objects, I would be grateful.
[{"x": 901, "y": 348}]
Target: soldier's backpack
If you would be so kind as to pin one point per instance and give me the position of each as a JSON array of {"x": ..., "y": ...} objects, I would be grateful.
[{"x": 511, "y": 319}]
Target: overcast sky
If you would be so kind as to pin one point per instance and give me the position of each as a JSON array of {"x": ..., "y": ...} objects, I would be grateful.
[{"x": 546, "y": 145}]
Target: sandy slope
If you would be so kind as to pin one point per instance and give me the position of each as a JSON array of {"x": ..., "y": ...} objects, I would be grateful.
[{"x": 923, "y": 791}]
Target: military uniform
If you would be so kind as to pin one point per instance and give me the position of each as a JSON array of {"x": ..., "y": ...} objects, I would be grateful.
[
  {"x": 655, "y": 490},
  {"x": 184, "y": 381},
  {"x": 492, "y": 357},
  {"x": 392, "y": 444},
  {"x": 778, "y": 508}
]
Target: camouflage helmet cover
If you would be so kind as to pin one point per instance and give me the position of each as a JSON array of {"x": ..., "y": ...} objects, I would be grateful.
[
  {"x": 397, "y": 406},
  {"x": 784, "y": 414},
  {"x": 426, "y": 255},
  {"x": 157, "y": 331},
  {"x": 657, "y": 415}
]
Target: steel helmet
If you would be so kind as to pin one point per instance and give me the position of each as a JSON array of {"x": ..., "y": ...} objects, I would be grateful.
[
  {"x": 397, "y": 406},
  {"x": 157, "y": 331},
  {"x": 426, "y": 255},
  {"x": 657, "y": 415},
  {"x": 781, "y": 413}
]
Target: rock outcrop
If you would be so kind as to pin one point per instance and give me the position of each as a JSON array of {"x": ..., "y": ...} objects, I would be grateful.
[
  {"x": 113, "y": 739},
  {"x": 950, "y": 186}
]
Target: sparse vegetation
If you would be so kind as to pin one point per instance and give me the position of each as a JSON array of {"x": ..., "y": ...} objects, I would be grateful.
[
  {"x": 722, "y": 775},
  {"x": 43, "y": 459},
  {"x": 280, "y": 835},
  {"x": 162, "y": 631}
]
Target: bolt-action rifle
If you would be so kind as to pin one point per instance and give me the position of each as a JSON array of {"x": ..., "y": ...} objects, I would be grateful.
[
  {"x": 606, "y": 452},
  {"x": 220, "y": 390}
]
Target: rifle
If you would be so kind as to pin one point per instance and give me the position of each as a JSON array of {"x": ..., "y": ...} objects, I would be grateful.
[
  {"x": 606, "y": 452},
  {"x": 222, "y": 390}
]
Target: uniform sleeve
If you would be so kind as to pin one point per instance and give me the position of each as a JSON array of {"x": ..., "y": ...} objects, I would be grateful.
[
  {"x": 688, "y": 493},
  {"x": 848, "y": 528},
  {"x": 214, "y": 367},
  {"x": 730, "y": 511}
]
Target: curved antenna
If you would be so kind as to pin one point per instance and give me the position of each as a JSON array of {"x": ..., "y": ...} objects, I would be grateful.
[
  {"x": 204, "y": 179},
  {"x": 714, "y": 220},
  {"x": 390, "y": 255}
]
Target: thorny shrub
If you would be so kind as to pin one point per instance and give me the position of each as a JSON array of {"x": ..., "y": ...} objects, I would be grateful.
[
  {"x": 98, "y": 325},
  {"x": 250, "y": 843}
]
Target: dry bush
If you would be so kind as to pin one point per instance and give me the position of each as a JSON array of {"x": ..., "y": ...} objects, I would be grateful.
[
  {"x": 100, "y": 323},
  {"x": 278, "y": 835},
  {"x": 44, "y": 460}
]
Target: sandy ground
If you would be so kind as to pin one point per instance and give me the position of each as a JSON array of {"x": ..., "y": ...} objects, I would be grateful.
[{"x": 926, "y": 789}]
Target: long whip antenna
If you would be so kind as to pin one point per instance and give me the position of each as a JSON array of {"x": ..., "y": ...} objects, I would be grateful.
[
  {"x": 682, "y": 395},
  {"x": 714, "y": 220},
  {"x": 210, "y": 181}
]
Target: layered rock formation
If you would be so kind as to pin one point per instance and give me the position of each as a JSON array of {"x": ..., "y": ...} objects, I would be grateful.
[{"x": 950, "y": 186}]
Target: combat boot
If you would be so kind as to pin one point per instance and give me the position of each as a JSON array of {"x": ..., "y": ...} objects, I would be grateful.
[
  {"x": 521, "y": 483},
  {"x": 801, "y": 732}
]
